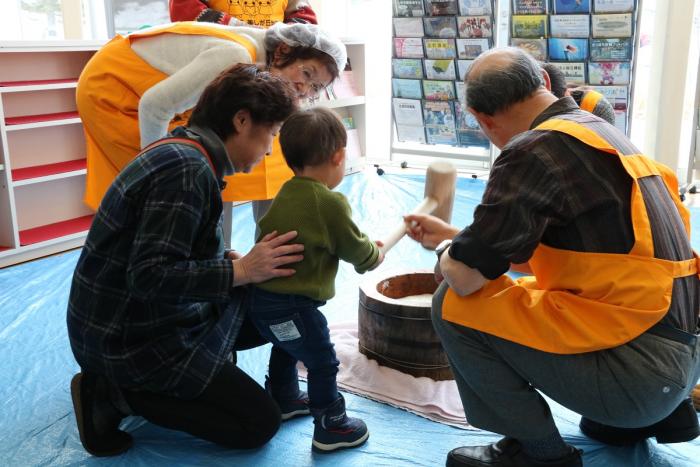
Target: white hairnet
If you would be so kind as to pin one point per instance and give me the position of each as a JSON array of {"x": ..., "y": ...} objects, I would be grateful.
[{"x": 306, "y": 35}]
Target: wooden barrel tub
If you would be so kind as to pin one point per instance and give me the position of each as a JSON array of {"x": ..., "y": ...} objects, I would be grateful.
[{"x": 395, "y": 327}]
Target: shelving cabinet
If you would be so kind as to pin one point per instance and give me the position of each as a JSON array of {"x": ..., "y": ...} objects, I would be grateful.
[
  {"x": 353, "y": 105},
  {"x": 42, "y": 149}
]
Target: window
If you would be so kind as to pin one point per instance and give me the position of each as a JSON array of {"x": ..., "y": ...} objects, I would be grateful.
[
  {"x": 47, "y": 20},
  {"x": 131, "y": 15}
]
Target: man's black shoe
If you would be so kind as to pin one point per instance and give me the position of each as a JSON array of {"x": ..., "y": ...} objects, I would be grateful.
[
  {"x": 680, "y": 426},
  {"x": 506, "y": 453},
  {"x": 98, "y": 419}
]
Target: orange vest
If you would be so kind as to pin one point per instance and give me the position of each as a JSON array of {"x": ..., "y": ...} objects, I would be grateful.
[
  {"x": 263, "y": 13},
  {"x": 589, "y": 100},
  {"x": 108, "y": 94},
  {"x": 580, "y": 302}
]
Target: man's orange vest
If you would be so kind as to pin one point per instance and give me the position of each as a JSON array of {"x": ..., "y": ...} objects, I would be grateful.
[
  {"x": 589, "y": 100},
  {"x": 108, "y": 94},
  {"x": 580, "y": 302}
]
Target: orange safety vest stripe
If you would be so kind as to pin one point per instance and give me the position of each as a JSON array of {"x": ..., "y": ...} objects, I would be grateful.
[
  {"x": 590, "y": 100},
  {"x": 577, "y": 301}
]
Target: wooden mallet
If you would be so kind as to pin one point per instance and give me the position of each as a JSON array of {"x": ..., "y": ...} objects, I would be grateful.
[{"x": 439, "y": 195}]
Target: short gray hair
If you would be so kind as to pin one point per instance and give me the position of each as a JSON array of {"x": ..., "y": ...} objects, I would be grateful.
[{"x": 495, "y": 89}]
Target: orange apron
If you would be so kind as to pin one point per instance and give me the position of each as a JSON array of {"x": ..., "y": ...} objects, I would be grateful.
[
  {"x": 581, "y": 302},
  {"x": 590, "y": 100},
  {"x": 263, "y": 13},
  {"x": 108, "y": 94},
  {"x": 263, "y": 182}
]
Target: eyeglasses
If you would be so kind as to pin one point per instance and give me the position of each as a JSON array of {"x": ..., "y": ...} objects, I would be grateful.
[{"x": 314, "y": 85}]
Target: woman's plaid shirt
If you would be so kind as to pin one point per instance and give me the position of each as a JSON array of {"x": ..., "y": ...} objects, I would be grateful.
[{"x": 152, "y": 305}]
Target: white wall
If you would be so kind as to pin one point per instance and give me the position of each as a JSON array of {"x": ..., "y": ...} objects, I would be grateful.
[
  {"x": 672, "y": 79},
  {"x": 369, "y": 20}
]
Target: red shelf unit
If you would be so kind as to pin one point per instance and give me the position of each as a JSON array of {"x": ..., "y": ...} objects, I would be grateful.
[
  {"x": 56, "y": 230},
  {"x": 48, "y": 169},
  {"x": 9, "y": 121},
  {"x": 43, "y": 148}
]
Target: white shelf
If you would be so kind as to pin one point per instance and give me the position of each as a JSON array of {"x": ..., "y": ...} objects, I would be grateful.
[
  {"x": 37, "y": 250},
  {"x": 37, "y": 87},
  {"x": 50, "y": 46},
  {"x": 29, "y": 126},
  {"x": 41, "y": 210},
  {"x": 345, "y": 102},
  {"x": 352, "y": 40},
  {"x": 54, "y": 241},
  {"x": 416, "y": 152},
  {"x": 48, "y": 178}
]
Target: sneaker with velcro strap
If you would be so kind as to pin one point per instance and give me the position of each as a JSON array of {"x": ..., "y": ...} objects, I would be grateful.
[
  {"x": 334, "y": 430},
  {"x": 292, "y": 401}
]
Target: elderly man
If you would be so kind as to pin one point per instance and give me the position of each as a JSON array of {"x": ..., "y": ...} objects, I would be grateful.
[{"x": 607, "y": 323}]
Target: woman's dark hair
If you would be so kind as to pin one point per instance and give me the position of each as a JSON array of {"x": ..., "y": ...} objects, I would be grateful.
[
  {"x": 281, "y": 58},
  {"x": 269, "y": 98},
  {"x": 310, "y": 137},
  {"x": 497, "y": 88}
]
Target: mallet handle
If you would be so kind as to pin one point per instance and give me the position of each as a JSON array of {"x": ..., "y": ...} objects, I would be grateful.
[{"x": 426, "y": 206}]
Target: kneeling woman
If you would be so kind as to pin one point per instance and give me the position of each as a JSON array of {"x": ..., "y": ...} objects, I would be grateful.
[{"x": 156, "y": 306}]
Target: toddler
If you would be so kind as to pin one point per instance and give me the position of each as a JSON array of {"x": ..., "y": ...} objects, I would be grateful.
[{"x": 286, "y": 310}]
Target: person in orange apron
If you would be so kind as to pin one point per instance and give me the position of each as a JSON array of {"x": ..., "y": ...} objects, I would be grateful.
[
  {"x": 587, "y": 99},
  {"x": 606, "y": 323},
  {"x": 262, "y": 13},
  {"x": 256, "y": 13},
  {"x": 138, "y": 87}
]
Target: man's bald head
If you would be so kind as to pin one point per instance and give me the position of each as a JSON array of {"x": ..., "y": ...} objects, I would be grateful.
[{"x": 500, "y": 78}]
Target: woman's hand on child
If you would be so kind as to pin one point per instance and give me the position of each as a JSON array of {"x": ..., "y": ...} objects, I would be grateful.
[
  {"x": 233, "y": 254},
  {"x": 266, "y": 258}
]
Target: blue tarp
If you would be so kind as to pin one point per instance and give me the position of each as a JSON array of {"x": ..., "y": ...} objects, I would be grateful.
[{"x": 37, "y": 425}]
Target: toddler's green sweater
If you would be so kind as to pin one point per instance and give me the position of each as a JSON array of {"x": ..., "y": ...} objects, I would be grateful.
[{"x": 323, "y": 219}]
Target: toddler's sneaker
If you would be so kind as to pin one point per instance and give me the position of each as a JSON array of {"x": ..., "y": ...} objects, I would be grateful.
[
  {"x": 334, "y": 430},
  {"x": 292, "y": 401}
]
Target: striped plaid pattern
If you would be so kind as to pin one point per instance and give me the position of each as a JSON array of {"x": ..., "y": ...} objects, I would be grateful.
[
  {"x": 152, "y": 305},
  {"x": 549, "y": 187}
]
